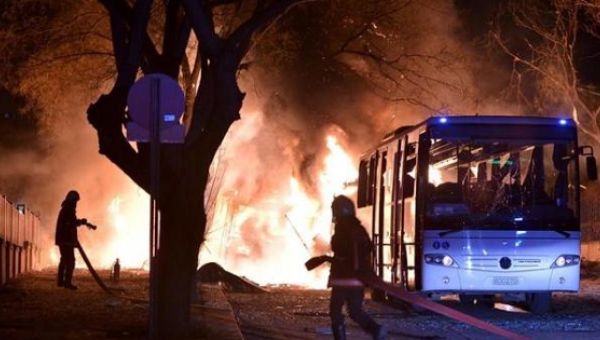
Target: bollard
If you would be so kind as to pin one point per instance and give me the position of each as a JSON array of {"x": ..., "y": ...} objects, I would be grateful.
[{"x": 115, "y": 274}]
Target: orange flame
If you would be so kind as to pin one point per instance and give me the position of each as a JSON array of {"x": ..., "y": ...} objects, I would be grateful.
[
  {"x": 267, "y": 240},
  {"x": 270, "y": 240}
]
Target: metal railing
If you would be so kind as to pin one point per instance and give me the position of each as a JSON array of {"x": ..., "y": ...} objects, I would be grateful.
[{"x": 20, "y": 245}]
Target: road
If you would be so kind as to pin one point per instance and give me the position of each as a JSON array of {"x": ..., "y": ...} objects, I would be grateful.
[
  {"x": 32, "y": 307},
  {"x": 292, "y": 313}
]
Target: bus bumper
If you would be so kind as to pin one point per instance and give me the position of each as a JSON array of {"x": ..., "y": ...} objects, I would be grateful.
[{"x": 448, "y": 279}]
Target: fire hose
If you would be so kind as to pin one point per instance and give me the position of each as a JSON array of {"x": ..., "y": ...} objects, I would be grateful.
[
  {"x": 99, "y": 281},
  {"x": 373, "y": 281}
]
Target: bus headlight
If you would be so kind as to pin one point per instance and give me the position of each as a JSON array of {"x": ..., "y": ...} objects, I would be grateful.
[
  {"x": 565, "y": 261},
  {"x": 440, "y": 260}
]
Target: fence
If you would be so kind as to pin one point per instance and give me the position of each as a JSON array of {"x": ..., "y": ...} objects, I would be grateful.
[{"x": 19, "y": 240}]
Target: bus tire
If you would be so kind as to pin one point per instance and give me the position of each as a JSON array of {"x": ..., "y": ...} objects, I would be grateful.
[
  {"x": 466, "y": 300},
  {"x": 486, "y": 301},
  {"x": 539, "y": 303}
]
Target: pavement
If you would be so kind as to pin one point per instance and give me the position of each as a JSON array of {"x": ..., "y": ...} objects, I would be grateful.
[
  {"x": 292, "y": 313},
  {"x": 32, "y": 307},
  {"x": 219, "y": 321}
]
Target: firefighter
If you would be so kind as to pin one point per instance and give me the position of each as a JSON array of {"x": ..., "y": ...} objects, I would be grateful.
[
  {"x": 352, "y": 249},
  {"x": 66, "y": 239}
]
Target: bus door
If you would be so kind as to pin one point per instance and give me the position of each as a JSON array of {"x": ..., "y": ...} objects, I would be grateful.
[
  {"x": 383, "y": 214},
  {"x": 412, "y": 174},
  {"x": 398, "y": 269}
]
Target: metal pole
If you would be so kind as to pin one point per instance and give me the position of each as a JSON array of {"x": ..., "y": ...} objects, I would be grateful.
[{"x": 154, "y": 199}]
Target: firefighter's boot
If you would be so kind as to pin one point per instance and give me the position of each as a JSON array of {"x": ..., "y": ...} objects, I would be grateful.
[
  {"x": 61, "y": 274},
  {"x": 339, "y": 332},
  {"x": 69, "y": 268}
]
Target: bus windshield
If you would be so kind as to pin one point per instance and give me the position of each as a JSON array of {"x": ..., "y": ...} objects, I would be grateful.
[{"x": 502, "y": 185}]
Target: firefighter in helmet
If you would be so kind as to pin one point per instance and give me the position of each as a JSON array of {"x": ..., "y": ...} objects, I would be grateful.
[
  {"x": 66, "y": 238},
  {"x": 352, "y": 249}
]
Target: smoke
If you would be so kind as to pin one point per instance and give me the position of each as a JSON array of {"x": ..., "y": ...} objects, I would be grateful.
[{"x": 40, "y": 175}]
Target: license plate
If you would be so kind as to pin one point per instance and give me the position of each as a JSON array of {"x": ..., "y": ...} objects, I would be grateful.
[{"x": 505, "y": 281}]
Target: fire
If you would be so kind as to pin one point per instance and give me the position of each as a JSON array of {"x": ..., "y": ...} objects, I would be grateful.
[
  {"x": 269, "y": 241},
  {"x": 266, "y": 239},
  {"x": 130, "y": 229}
]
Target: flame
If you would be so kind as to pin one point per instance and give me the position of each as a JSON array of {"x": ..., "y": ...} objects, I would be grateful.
[
  {"x": 269, "y": 241},
  {"x": 130, "y": 229}
]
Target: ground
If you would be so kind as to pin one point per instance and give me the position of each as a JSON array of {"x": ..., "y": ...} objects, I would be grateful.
[
  {"x": 32, "y": 307},
  {"x": 287, "y": 313}
]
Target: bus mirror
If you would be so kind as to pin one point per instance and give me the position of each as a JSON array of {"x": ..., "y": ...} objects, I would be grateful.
[{"x": 592, "y": 169}]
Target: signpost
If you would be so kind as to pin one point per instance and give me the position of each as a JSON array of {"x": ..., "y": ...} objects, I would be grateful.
[{"x": 156, "y": 104}]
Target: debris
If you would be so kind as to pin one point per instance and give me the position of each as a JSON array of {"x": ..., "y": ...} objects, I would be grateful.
[{"x": 214, "y": 273}]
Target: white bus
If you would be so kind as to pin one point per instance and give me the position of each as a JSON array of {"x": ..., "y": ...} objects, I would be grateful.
[{"x": 480, "y": 206}]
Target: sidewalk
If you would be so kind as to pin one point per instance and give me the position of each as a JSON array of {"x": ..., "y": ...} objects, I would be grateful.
[
  {"x": 33, "y": 308},
  {"x": 219, "y": 320}
]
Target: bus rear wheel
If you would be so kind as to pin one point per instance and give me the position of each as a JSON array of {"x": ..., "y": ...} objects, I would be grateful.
[
  {"x": 466, "y": 300},
  {"x": 539, "y": 303}
]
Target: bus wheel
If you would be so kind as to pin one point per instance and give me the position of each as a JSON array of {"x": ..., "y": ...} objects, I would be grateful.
[
  {"x": 466, "y": 300},
  {"x": 486, "y": 301},
  {"x": 539, "y": 303}
]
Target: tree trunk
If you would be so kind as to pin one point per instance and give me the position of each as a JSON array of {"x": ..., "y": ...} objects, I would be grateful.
[
  {"x": 184, "y": 168},
  {"x": 180, "y": 233}
]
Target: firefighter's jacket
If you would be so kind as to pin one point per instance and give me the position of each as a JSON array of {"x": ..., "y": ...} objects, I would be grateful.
[
  {"x": 352, "y": 250},
  {"x": 66, "y": 225}
]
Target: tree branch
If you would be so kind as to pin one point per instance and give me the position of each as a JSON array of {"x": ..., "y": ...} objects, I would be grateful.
[
  {"x": 241, "y": 37},
  {"x": 201, "y": 21},
  {"x": 119, "y": 34},
  {"x": 177, "y": 32}
]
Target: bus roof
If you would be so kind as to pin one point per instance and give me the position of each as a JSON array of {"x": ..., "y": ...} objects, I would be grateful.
[
  {"x": 486, "y": 120},
  {"x": 476, "y": 119}
]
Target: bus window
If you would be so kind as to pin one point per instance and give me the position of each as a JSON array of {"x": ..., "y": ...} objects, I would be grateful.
[
  {"x": 492, "y": 184},
  {"x": 372, "y": 185},
  {"x": 409, "y": 171},
  {"x": 409, "y": 174},
  {"x": 363, "y": 184}
]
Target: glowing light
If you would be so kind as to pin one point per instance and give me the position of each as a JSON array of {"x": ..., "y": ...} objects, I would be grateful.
[
  {"x": 339, "y": 169},
  {"x": 129, "y": 223},
  {"x": 435, "y": 176},
  {"x": 268, "y": 238},
  {"x": 447, "y": 261},
  {"x": 563, "y": 122},
  {"x": 443, "y": 120}
]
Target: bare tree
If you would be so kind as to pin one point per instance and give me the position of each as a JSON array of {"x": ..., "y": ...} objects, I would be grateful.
[
  {"x": 222, "y": 44},
  {"x": 546, "y": 51}
]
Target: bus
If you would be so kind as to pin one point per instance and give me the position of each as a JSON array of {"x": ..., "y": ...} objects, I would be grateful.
[{"x": 485, "y": 207}]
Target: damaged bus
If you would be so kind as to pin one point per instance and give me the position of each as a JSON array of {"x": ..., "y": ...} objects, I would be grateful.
[{"x": 480, "y": 206}]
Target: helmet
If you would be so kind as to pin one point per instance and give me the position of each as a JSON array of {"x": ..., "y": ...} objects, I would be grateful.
[
  {"x": 72, "y": 196},
  {"x": 342, "y": 206}
]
